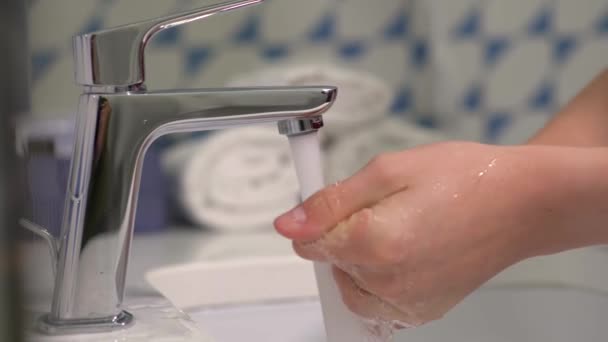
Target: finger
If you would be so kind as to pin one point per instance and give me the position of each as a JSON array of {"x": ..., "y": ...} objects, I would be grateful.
[
  {"x": 325, "y": 209},
  {"x": 365, "y": 304},
  {"x": 372, "y": 236}
]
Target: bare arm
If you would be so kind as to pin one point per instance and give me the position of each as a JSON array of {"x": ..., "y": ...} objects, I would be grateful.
[
  {"x": 583, "y": 122},
  {"x": 414, "y": 232}
]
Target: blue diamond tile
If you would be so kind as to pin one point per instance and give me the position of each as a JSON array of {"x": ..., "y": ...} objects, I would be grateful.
[
  {"x": 93, "y": 24},
  {"x": 352, "y": 50},
  {"x": 397, "y": 28},
  {"x": 427, "y": 121},
  {"x": 601, "y": 25},
  {"x": 275, "y": 51},
  {"x": 168, "y": 37},
  {"x": 403, "y": 101},
  {"x": 324, "y": 30},
  {"x": 249, "y": 31},
  {"x": 563, "y": 48},
  {"x": 495, "y": 49},
  {"x": 420, "y": 53},
  {"x": 496, "y": 125},
  {"x": 196, "y": 58},
  {"x": 42, "y": 62},
  {"x": 543, "y": 97},
  {"x": 469, "y": 26},
  {"x": 541, "y": 23},
  {"x": 473, "y": 98}
]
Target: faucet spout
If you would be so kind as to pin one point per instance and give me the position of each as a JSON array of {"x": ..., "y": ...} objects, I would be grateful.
[{"x": 113, "y": 132}]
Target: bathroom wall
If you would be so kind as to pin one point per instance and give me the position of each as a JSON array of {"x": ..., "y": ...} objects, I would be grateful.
[
  {"x": 484, "y": 70},
  {"x": 489, "y": 70}
]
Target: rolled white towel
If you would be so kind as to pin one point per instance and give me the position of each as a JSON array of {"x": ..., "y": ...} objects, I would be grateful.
[
  {"x": 362, "y": 97},
  {"x": 350, "y": 154},
  {"x": 235, "y": 180}
]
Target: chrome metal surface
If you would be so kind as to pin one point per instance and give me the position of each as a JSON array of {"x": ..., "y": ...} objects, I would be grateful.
[
  {"x": 117, "y": 121},
  {"x": 115, "y": 57},
  {"x": 113, "y": 133},
  {"x": 78, "y": 326},
  {"x": 46, "y": 236},
  {"x": 300, "y": 126}
]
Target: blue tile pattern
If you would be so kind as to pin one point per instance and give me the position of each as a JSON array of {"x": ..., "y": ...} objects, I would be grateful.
[
  {"x": 469, "y": 26},
  {"x": 495, "y": 48},
  {"x": 542, "y": 22},
  {"x": 602, "y": 24},
  {"x": 477, "y": 60},
  {"x": 249, "y": 31},
  {"x": 324, "y": 30},
  {"x": 42, "y": 61},
  {"x": 563, "y": 48},
  {"x": 397, "y": 28},
  {"x": 196, "y": 58}
]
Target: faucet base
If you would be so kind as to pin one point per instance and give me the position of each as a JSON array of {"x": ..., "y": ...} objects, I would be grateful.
[{"x": 49, "y": 326}]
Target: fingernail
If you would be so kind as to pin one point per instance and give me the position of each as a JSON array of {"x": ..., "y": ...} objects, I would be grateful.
[{"x": 294, "y": 218}]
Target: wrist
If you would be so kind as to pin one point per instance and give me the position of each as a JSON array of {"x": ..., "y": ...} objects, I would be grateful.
[{"x": 565, "y": 198}]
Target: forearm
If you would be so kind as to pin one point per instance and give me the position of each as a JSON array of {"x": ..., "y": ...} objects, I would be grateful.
[
  {"x": 583, "y": 122},
  {"x": 571, "y": 201}
]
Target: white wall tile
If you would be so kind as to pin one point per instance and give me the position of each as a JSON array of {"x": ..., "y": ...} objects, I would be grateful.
[
  {"x": 56, "y": 92},
  {"x": 217, "y": 28},
  {"x": 230, "y": 63},
  {"x": 519, "y": 73},
  {"x": 509, "y": 17},
  {"x": 288, "y": 19},
  {"x": 457, "y": 66},
  {"x": 364, "y": 18},
  {"x": 589, "y": 61},
  {"x": 446, "y": 14},
  {"x": 53, "y": 23},
  {"x": 163, "y": 68},
  {"x": 573, "y": 16},
  {"x": 125, "y": 12}
]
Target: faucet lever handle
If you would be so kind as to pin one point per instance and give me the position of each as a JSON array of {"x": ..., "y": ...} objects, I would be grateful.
[
  {"x": 115, "y": 57},
  {"x": 51, "y": 242}
]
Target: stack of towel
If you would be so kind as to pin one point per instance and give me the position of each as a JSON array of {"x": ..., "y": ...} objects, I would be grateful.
[
  {"x": 348, "y": 156},
  {"x": 240, "y": 179},
  {"x": 235, "y": 180},
  {"x": 362, "y": 98}
]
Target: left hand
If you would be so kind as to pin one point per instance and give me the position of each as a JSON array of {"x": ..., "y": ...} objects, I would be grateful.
[{"x": 415, "y": 232}]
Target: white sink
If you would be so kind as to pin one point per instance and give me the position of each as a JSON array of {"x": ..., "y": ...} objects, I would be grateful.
[
  {"x": 524, "y": 314},
  {"x": 251, "y": 288},
  {"x": 273, "y": 299},
  {"x": 490, "y": 315}
]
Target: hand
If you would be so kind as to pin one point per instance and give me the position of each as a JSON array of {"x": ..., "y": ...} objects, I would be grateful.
[{"x": 415, "y": 232}]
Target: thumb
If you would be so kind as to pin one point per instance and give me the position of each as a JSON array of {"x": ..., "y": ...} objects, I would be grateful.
[{"x": 325, "y": 209}]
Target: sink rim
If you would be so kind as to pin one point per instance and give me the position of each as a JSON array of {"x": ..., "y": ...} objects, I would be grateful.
[{"x": 298, "y": 283}]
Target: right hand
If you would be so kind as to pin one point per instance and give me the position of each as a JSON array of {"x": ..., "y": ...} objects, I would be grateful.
[{"x": 415, "y": 232}]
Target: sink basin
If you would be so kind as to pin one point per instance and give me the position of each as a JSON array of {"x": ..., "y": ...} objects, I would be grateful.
[
  {"x": 521, "y": 314},
  {"x": 490, "y": 315},
  {"x": 274, "y": 299},
  {"x": 252, "y": 288},
  {"x": 297, "y": 321}
]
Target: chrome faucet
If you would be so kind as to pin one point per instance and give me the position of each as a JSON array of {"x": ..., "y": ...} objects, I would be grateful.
[{"x": 117, "y": 121}]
